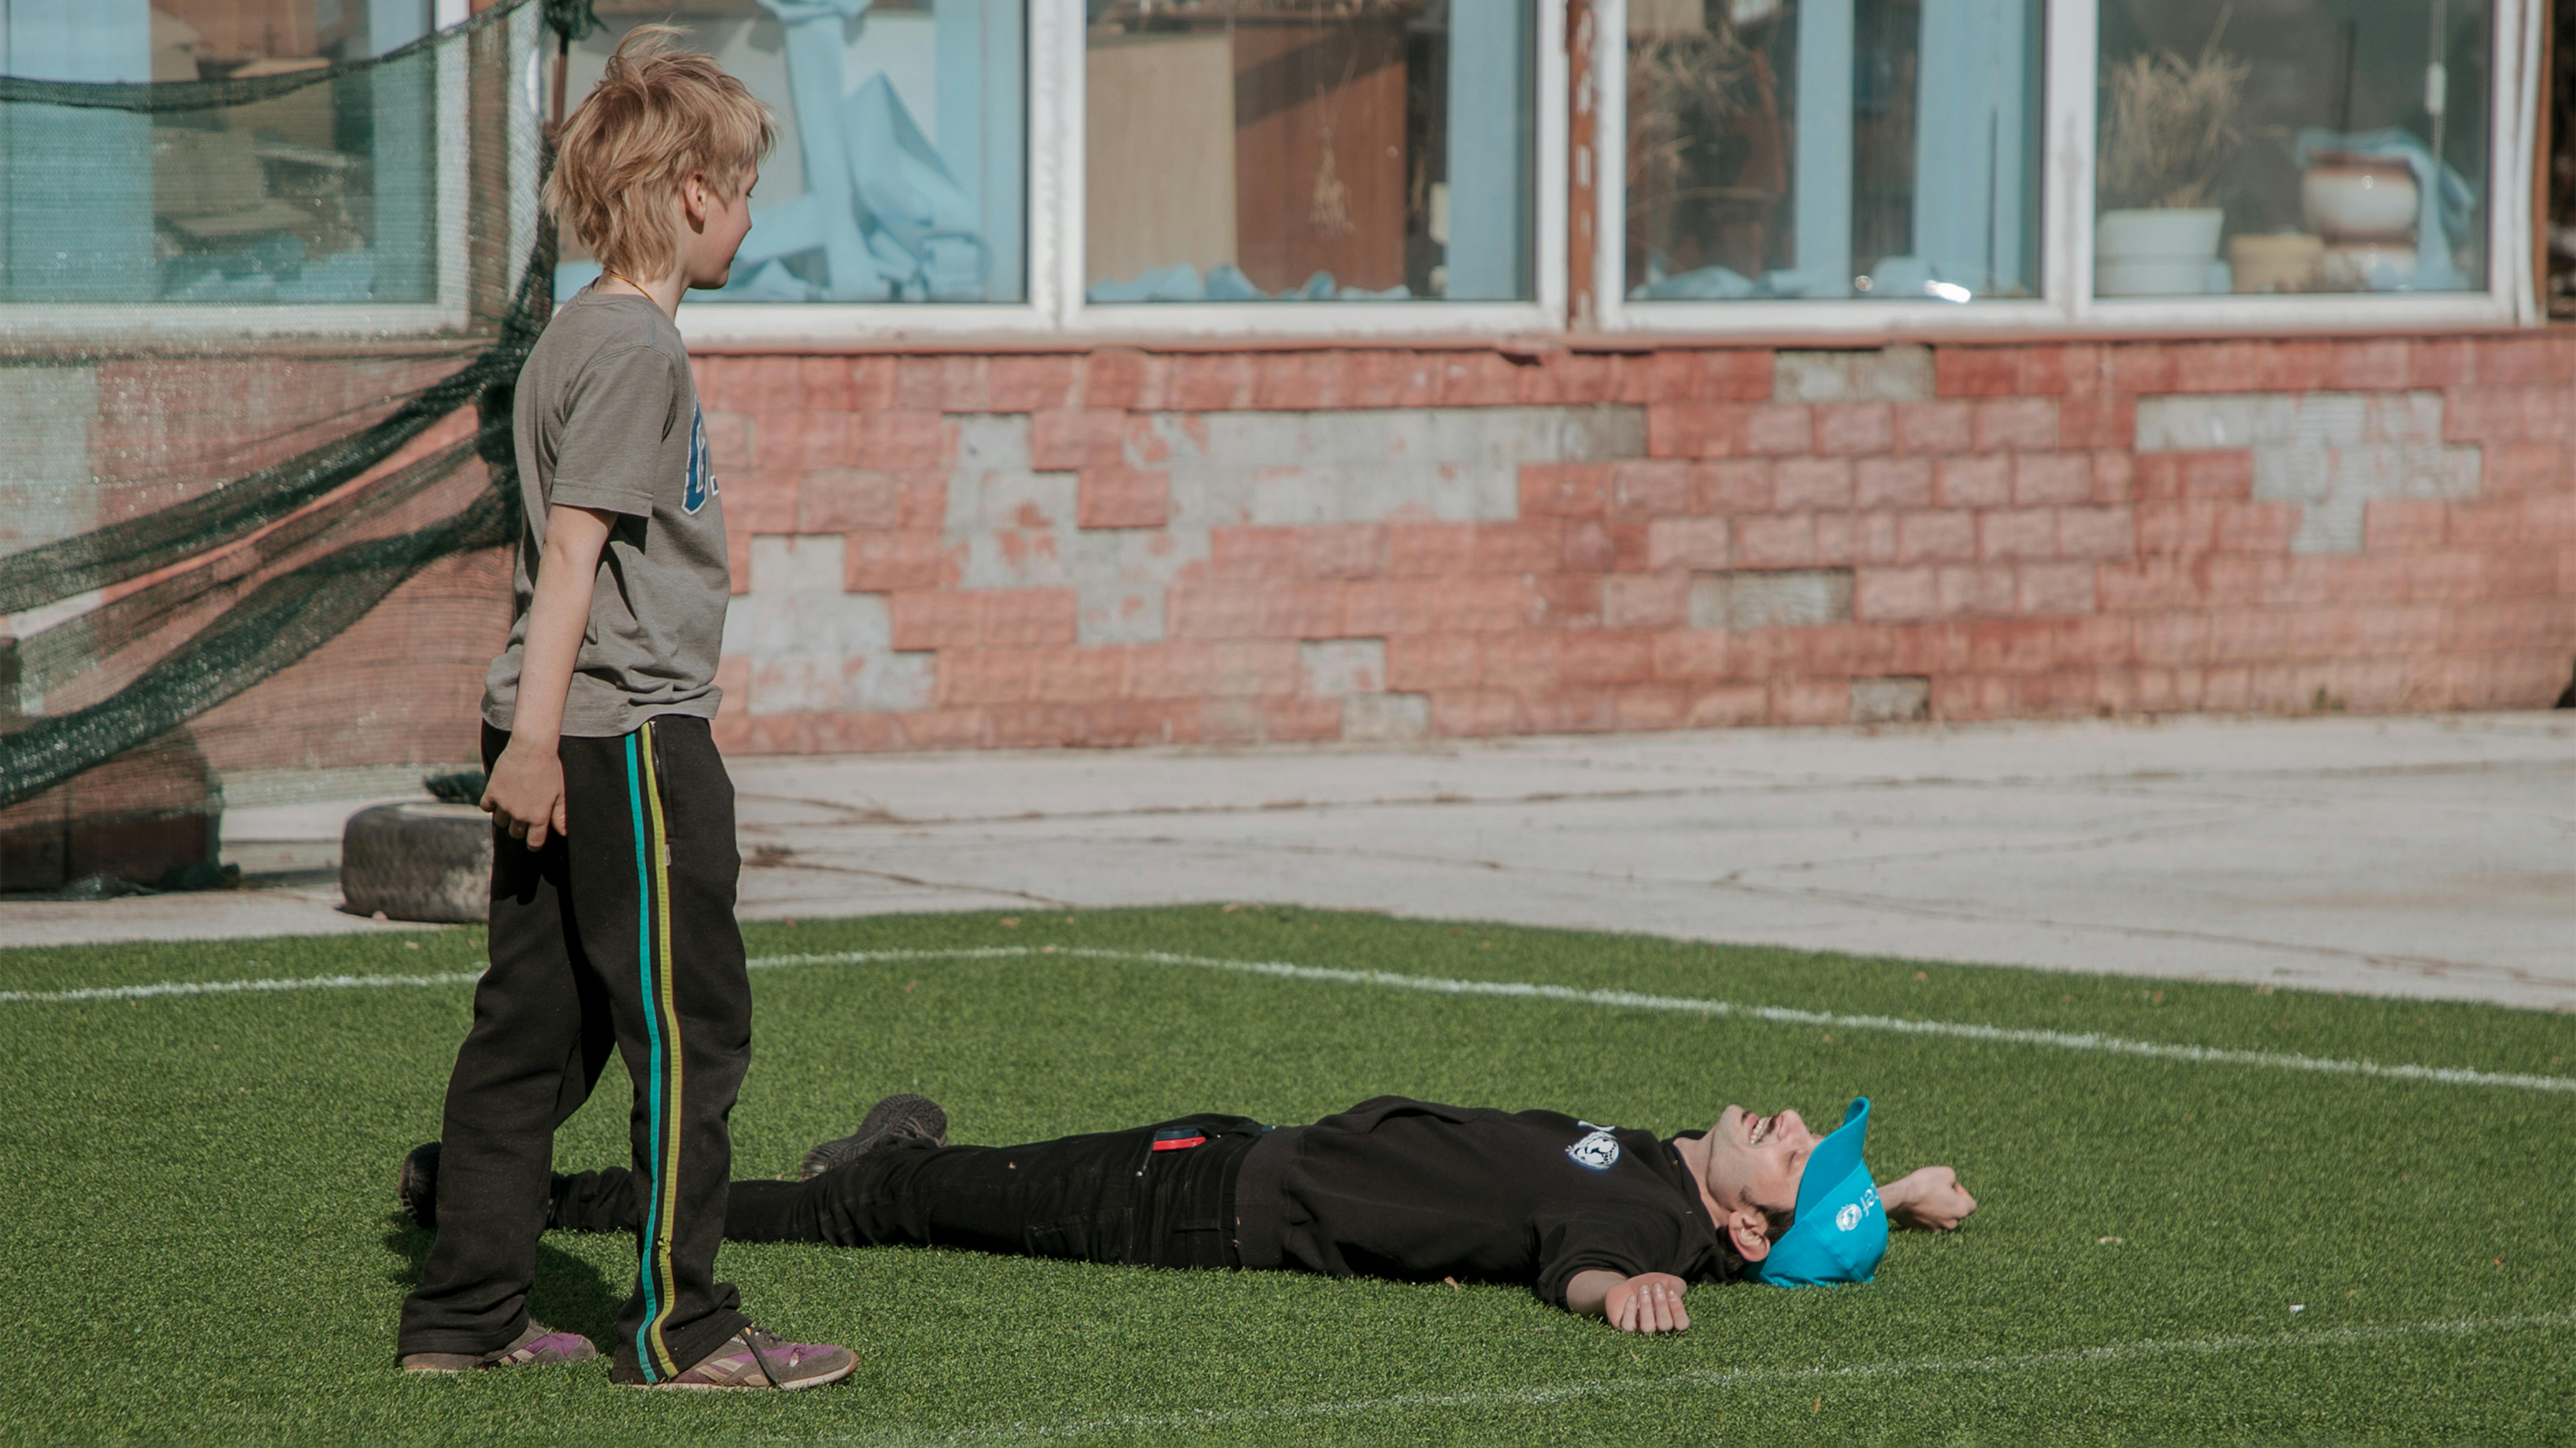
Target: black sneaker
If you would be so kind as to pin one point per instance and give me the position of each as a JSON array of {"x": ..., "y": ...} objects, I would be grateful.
[
  {"x": 416, "y": 1187},
  {"x": 893, "y": 1119}
]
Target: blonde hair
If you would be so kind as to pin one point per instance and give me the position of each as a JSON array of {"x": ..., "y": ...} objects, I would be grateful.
[{"x": 658, "y": 115}]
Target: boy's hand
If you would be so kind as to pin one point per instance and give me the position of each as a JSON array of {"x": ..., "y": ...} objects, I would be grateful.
[
  {"x": 1650, "y": 1303},
  {"x": 1930, "y": 1198},
  {"x": 526, "y": 793}
]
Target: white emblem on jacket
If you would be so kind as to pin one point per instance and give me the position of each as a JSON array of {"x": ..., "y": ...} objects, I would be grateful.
[{"x": 1599, "y": 1151}]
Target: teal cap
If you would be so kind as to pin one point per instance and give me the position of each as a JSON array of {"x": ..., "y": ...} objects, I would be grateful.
[{"x": 1840, "y": 1231}]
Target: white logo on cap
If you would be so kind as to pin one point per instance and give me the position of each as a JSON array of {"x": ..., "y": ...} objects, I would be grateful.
[
  {"x": 1599, "y": 1151},
  {"x": 1848, "y": 1217}
]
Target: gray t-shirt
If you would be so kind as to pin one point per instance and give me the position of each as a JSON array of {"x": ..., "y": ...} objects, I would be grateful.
[{"x": 607, "y": 418}]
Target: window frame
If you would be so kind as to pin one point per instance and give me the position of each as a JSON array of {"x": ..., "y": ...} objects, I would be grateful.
[
  {"x": 2066, "y": 304},
  {"x": 37, "y": 324}
]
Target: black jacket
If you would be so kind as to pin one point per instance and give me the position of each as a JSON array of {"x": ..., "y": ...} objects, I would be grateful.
[{"x": 1408, "y": 1189}]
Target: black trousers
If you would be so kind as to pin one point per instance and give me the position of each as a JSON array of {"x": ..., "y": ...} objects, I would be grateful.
[
  {"x": 1158, "y": 1196},
  {"x": 619, "y": 933}
]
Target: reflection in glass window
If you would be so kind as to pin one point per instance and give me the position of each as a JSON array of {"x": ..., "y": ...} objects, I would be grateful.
[
  {"x": 1833, "y": 148},
  {"x": 2292, "y": 146},
  {"x": 321, "y": 194},
  {"x": 1248, "y": 150},
  {"x": 901, "y": 173}
]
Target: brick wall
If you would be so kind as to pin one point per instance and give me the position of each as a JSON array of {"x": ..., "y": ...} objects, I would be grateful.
[{"x": 1128, "y": 547}]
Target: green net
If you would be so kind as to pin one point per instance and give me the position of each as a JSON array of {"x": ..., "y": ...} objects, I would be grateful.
[{"x": 264, "y": 291}]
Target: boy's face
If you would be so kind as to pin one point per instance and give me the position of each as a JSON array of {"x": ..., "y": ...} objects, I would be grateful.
[
  {"x": 1755, "y": 1162},
  {"x": 712, "y": 228}
]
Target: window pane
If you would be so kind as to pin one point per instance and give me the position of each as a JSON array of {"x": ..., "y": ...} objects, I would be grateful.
[
  {"x": 2294, "y": 146},
  {"x": 1250, "y": 150},
  {"x": 322, "y": 194},
  {"x": 901, "y": 173},
  {"x": 1774, "y": 148}
]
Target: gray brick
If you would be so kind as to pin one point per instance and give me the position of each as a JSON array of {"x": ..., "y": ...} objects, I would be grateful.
[
  {"x": 1343, "y": 667},
  {"x": 1899, "y": 699},
  {"x": 1383, "y": 718},
  {"x": 1786, "y": 599},
  {"x": 1901, "y": 373}
]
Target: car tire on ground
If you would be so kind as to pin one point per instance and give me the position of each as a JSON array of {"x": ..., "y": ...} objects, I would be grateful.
[{"x": 430, "y": 862}]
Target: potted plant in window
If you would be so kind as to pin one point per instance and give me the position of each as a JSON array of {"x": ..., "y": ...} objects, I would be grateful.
[{"x": 2168, "y": 131}]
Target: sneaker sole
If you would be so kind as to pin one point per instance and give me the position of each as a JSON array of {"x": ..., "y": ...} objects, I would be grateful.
[{"x": 792, "y": 1385}]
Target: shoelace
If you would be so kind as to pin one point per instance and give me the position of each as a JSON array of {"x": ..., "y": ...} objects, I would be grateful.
[{"x": 753, "y": 1338}]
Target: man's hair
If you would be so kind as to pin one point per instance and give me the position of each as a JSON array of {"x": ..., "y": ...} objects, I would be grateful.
[{"x": 657, "y": 115}]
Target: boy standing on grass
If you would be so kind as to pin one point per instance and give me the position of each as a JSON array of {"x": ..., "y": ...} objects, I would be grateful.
[{"x": 613, "y": 881}]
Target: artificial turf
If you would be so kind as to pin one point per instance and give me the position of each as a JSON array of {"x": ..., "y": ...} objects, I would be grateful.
[{"x": 199, "y": 1239}]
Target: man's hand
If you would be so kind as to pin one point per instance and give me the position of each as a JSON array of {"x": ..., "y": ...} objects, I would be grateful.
[
  {"x": 1651, "y": 1302},
  {"x": 526, "y": 793},
  {"x": 1929, "y": 1198}
]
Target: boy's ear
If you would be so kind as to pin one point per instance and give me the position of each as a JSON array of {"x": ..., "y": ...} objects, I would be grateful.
[
  {"x": 695, "y": 199},
  {"x": 1746, "y": 1230}
]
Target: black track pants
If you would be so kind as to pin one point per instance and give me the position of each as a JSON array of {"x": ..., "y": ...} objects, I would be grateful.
[
  {"x": 1110, "y": 1197},
  {"x": 620, "y": 932}
]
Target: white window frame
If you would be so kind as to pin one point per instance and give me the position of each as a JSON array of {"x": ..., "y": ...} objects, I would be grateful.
[
  {"x": 37, "y": 324},
  {"x": 2066, "y": 304},
  {"x": 1056, "y": 312}
]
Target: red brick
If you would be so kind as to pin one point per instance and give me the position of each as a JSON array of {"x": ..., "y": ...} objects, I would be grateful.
[
  {"x": 1696, "y": 429},
  {"x": 1649, "y": 706},
  {"x": 1853, "y": 428},
  {"x": 1387, "y": 379},
  {"x": 1983, "y": 480},
  {"x": 2404, "y": 525},
  {"x": 2017, "y": 533},
  {"x": 738, "y": 561},
  {"x": 1228, "y": 609},
  {"x": 1232, "y": 669},
  {"x": 1430, "y": 550},
  {"x": 1123, "y": 498},
  {"x": 2055, "y": 588},
  {"x": 1887, "y": 595},
  {"x": 2526, "y": 359},
  {"x": 840, "y": 500},
  {"x": 1256, "y": 552},
  {"x": 925, "y": 499},
  {"x": 1935, "y": 427},
  {"x": 2215, "y": 367},
  {"x": 1116, "y": 377},
  {"x": 1478, "y": 379},
  {"x": 1734, "y": 485},
  {"x": 1811, "y": 701},
  {"x": 930, "y": 618},
  {"x": 2294, "y": 366},
  {"x": 2526, "y": 467},
  {"x": 1779, "y": 429},
  {"x": 1295, "y": 381},
  {"x": 2020, "y": 424},
  {"x": 1423, "y": 663},
  {"x": 1467, "y": 714},
  {"x": 1645, "y": 600},
  {"x": 1975, "y": 590},
  {"x": 1035, "y": 726},
  {"x": 986, "y": 676},
  {"x": 2102, "y": 422},
  {"x": 1521, "y": 662},
  {"x": 1064, "y": 439},
  {"x": 1847, "y": 539},
  {"x": 1691, "y": 543},
  {"x": 1936, "y": 537},
  {"x": 1570, "y": 378},
  {"x": 1301, "y": 721},
  {"x": 1532, "y": 546},
  {"x": 1387, "y": 607},
  {"x": 1031, "y": 616},
  {"x": 1588, "y": 548},
  {"x": 1661, "y": 377},
  {"x": 1207, "y": 382},
  {"x": 896, "y": 440},
  {"x": 2170, "y": 475},
  {"x": 949, "y": 383},
  {"x": 1727, "y": 706},
  {"x": 1650, "y": 487},
  {"x": 1776, "y": 542},
  {"x": 1689, "y": 653},
  {"x": 2095, "y": 533},
  {"x": 2042, "y": 478},
  {"x": 757, "y": 500},
  {"x": 2141, "y": 367},
  {"x": 1974, "y": 371},
  {"x": 1477, "y": 605},
  {"x": 1564, "y": 490},
  {"x": 1300, "y": 610},
  {"x": 1803, "y": 483},
  {"x": 1342, "y": 550},
  {"x": 2376, "y": 364},
  {"x": 883, "y": 562},
  {"x": 1892, "y": 483},
  {"x": 1079, "y": 676},
  {"x": 1031, "y": 384},
  {"x": 1736, "y": 375},
  {"x": 1569, "y": 600}
]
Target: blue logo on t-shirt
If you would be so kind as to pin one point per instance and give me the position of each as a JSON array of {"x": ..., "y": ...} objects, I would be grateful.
[{"x": 702, "y": 470}]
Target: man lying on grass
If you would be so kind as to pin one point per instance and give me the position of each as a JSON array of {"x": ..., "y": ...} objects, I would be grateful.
[{"x": 1611, "y": 1223}]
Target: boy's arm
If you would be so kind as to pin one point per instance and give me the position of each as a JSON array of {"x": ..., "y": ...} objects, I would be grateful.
[
  {"x": 526, "y": 794},
  {"x": 1649, "y": 1303},
  {"x": 1929, "y": 1197}
]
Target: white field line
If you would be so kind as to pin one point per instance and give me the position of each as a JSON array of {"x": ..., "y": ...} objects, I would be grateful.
[
  {"x": 2086, "y": 1041},
  {"x": 1712, "y": 1379}
]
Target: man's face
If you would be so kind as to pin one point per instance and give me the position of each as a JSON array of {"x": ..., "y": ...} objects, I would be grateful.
[{"x": 1754, "y": 1162}]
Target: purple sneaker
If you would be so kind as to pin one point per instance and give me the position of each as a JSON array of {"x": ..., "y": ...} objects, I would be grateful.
[
  {"x": 537, "y": 1346},
  {"x": 754, "y": 1358}
]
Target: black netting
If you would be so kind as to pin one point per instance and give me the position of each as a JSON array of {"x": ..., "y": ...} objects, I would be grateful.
[{"x": 262, "y": 327}]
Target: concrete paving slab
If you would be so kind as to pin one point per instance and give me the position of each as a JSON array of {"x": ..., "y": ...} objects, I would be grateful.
[{"x": 2420, "y": 856}]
